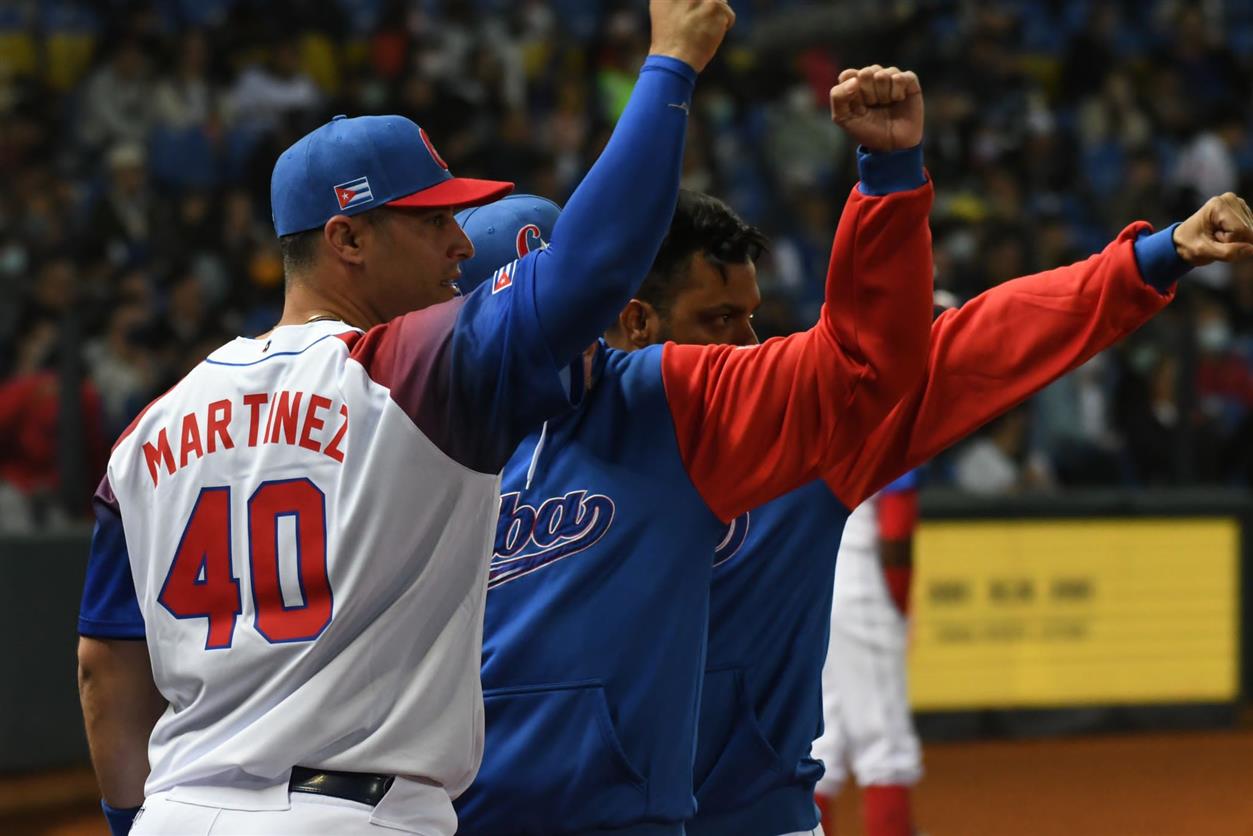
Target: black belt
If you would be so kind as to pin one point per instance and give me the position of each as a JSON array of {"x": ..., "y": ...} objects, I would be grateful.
[{"x": 354, "y": 786}]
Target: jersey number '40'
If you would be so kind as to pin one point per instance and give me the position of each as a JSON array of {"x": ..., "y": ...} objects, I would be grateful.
[{"x": 201, "y": 582}]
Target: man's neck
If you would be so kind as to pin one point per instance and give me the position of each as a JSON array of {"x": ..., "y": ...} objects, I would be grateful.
[{"x": 304, "y": 305}]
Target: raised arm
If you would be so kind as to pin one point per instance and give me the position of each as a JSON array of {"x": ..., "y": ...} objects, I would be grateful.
[
  {"x": 1011, "y": 341},
  {"x": 754, "y": 422},
  {"x": 479, "y": 373},
  {"x": 613, "y": 224}
]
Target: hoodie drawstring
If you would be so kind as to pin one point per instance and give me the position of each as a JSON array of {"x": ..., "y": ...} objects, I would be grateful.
[{"x": 539, "y": 447}]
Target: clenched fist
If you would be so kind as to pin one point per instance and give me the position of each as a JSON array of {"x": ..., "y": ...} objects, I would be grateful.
[
  {"x": 1221, "y": 230},
  {"x": 689, "y": 30},
  {"x": 880, "y": 108}
]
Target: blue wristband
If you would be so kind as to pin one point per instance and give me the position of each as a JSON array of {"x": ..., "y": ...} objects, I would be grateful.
[
  {"x": 885, "y": 172},
  {"x": 674, "y": 65},
  {"x": 1158, "y": 260},
  {"x": 120, "y": 820}
]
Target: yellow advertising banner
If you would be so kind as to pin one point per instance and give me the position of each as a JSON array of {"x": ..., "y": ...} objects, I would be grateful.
[{"x": 1040, "y": 613}]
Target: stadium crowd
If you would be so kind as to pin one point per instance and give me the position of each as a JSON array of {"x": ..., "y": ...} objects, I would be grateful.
[{"x": 137, "y": 140}]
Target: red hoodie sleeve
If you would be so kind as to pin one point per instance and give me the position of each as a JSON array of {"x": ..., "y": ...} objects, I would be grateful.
[
  {"x": 999, "y": 349},
  {"x": 754, "y": 422}
]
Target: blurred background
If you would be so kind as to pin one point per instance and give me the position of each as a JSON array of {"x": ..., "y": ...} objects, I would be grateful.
[{"x": 137, "y": 139}]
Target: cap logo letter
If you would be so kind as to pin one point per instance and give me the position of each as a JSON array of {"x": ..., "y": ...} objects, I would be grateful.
[
  {"x": 354, "y": 193},
  {"x": 525, "y": 236},
  {"x": 426, "y": 140}
]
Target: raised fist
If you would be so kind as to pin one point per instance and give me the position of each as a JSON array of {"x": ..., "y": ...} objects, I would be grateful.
[
  {"x": 880, "y": 109},
  {"x": 689, "y": 30},
  {"x": 1221, "y": 230}
]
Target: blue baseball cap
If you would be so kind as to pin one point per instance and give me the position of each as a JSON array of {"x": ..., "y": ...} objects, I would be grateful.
[
  {"x": 503, "y": 231},
  {"x": 349, "y": 166}
]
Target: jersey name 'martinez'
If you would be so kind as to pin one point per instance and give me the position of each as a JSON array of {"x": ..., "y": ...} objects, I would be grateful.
[
  {"x": 280, "y": 418},
  {"x": 528, "y": 539}
]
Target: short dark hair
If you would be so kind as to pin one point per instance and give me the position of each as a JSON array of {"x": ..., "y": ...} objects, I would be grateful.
[
  {"x": 299, "y": 249},
  {"x": 702, "y": 224}
]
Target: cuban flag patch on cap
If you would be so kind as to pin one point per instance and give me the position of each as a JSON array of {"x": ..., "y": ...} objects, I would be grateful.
[{"x": 354, "y": 193}]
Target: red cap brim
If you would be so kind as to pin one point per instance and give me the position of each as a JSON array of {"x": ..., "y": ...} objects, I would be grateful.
[{"x": 456, "y": 193}]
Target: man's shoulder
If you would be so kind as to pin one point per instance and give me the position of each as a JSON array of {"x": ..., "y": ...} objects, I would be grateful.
[{"x": 632, "y": 369}]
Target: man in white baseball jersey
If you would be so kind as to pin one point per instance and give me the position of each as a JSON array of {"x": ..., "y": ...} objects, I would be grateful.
[
  {"x": 288, "y": 572},
  {"x": 867, "y": 724}
]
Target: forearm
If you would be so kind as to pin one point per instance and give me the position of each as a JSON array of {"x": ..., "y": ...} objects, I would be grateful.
[
  {"x": 877, "y": 310},
  {"x": 612, "y": 226},
  {"x": 999, "y": 349},
  {"x": 120, "y": 707}
]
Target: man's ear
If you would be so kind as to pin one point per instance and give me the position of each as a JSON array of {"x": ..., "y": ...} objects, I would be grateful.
[
  {"x": 640, "y": 323},
  {"x": 344, "y": 237}
]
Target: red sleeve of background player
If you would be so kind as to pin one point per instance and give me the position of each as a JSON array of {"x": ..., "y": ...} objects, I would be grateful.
[
  {"x": 898, "y": 514},
  {"x": 755, "y": 422},
  {"x": 997, "y": 350}
]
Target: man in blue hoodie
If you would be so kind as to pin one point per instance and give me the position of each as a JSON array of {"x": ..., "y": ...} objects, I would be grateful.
[
  {"x": 593, "y": 611},
  {"x": 598, "y": 592}
]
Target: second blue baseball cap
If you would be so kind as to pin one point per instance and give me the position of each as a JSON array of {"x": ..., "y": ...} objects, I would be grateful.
[
  {"x": 503, "y": 231},
  {"x": 349, "y": 166}
]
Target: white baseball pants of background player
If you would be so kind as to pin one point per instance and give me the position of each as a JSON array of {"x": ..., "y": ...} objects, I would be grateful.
[{"x": 868, "y": 725}]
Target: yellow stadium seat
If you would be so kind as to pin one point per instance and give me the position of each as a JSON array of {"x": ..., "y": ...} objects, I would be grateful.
[
  {"x": 67, "y": 55},
  {"x": 18, "y": 56},
  {"x": 319, "y": 58}
]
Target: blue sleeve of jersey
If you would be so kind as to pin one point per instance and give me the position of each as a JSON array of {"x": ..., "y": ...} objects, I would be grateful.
[
  {"x": 909, "y": 482},
  {"x": 515, "y": 357},
  {"x": 607, "y": 236},
  {"x": 110, "y": 608}
]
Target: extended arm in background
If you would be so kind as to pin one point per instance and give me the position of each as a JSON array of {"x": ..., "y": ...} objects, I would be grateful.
[
  {"x": 897, "y": 521},
  {"x": 1011, "y": 341},
  {"x": 754, "y": 422},
  {"x": 120, "y": 707}
]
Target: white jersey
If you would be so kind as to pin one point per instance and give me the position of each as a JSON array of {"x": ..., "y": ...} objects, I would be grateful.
[
  {"x": 307, "y": 521},
  {"x": 858, "y": 572}
]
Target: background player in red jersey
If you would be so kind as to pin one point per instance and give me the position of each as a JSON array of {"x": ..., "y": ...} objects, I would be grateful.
[{"x": 867, "y": 726}]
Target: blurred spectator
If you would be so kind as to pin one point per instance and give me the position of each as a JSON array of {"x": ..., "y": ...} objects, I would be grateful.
[
  {"x": 122, "y": 367},
  {"x": 273, "y": 90},
  {"x": 1224, "y": 378},
  {"x": 124, "y": 223},
  {"x": 138, "y": 165},
  {"x": 1072, "y": 426},
  {"x": 30, "y": 473},
  {"x": 186, "y": 99},
  {"x": 118, "y": 99},
  {"x": 997, "y": 460}
]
